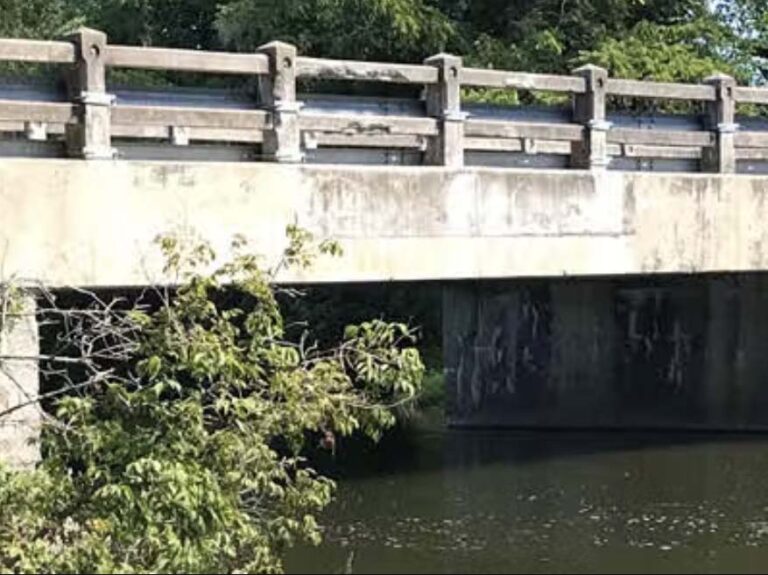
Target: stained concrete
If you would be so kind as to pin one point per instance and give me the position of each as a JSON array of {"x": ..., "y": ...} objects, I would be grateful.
[
  {"x": 676, "y": 352},
  {"x": 92, "y": 223},
  {"x": 542, "y": 352}
]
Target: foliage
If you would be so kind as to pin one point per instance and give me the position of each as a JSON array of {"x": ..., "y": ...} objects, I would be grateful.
[
  {"x": 324, "y": 310},
  {"x": 661, "y": 39},
  {"x": 748, "y": 19},
  {"x": 683, "y": 36},
  {"x": 687, "y": 52},
  {"x": 177, "y": 23},
  {"x": 364, "y": 29},
  {"x": 433, "y": 394},
  {"x": 547, "y": 35},
  {"x": 188, "y": 459},
  {"x": 38, "y": 18}
]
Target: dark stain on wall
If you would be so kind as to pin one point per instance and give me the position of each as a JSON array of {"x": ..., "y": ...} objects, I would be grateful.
[{"x": 656, "y": 351}]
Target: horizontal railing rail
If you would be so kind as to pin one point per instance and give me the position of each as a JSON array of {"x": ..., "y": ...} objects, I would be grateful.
[
  {"x": 186, "y": 60},
  {"x": 13, "y": 50},
  {"x": 92, "y": 122},
  {"x": 661, "y": 90},
  {"x": 322, "y": 69},
  {"x": 482, "y": 78},
  {"x": 746, "y": 95}
]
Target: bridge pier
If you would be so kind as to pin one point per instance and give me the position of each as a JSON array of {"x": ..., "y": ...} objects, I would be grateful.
[
  {"x": 20, "y": 382},
  {"x": 664, "y": 352}
]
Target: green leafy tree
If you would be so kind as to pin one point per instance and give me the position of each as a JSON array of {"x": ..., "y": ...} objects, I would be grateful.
[
  {"x": 404, "y": 30},
  {"x": 187, "y": 457},
  {"x": 748, "y": 19},
  {"x": 176, "y": 23},
  {"x": 38, "y": 18},
  {"x": 684, "y": 52},
  {"x": 549, "y": 35}
]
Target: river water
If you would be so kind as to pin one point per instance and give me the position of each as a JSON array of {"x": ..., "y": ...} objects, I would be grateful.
[{"x": 440, "y": 501}]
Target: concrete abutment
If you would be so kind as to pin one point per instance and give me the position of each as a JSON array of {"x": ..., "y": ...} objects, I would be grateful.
[
  {"x": 19, "y": 386},
  {"x": 648, "y": 352}
]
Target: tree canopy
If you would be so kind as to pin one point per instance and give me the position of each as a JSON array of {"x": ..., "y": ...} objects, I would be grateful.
[
  {"x": 175, "y": 445},
  {"x": 654, "y": 39},
  {"x": 38, "y": 18},
  {"x": 372, "y": 29}
]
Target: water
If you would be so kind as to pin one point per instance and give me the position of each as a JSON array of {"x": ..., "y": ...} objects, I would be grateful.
[{"x": 489, "y": 502}]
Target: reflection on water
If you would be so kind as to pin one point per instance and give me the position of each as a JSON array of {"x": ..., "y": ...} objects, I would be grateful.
[{"x": 484, "y": 502}]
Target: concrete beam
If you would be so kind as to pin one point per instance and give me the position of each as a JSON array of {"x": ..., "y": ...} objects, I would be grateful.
[{"x": 93, "y": 223}]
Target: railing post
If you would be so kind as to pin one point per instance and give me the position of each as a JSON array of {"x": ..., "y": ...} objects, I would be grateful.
[
  {"x": 721, "y": 119},
  {"x": 91, "y": 136},
  {"x": 282, "y": 143},
  {"x": 589, "y": 109},
  {"x": 444, "y": 103}
]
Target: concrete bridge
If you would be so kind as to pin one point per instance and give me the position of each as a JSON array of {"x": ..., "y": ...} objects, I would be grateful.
[{"x": 600, "y": 268}]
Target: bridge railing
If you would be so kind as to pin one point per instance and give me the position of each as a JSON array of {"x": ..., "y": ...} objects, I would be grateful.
[
  {"x": 90, "y": 120},
  {"x": 178, "y": 124}
]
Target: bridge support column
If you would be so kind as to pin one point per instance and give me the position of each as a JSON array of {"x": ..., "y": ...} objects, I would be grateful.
[
  {"x": 19, "y": 382},
  {"x": 632, "y": 353}
]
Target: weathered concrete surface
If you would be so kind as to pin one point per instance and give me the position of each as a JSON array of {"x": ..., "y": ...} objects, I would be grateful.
[
  {"x": 19, "y": 382},
  {"x": 672, "y": 352},
  {"x": 92, "y": 223},
  {"x": 579, "y": 352}
]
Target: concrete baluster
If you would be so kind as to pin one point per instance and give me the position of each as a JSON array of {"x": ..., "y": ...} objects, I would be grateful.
[
  {"x": 282, "y": 143},
  {"x": 90, "y": 137},
  {"x": 721, "y": 119},
  {"x": 444, "y": 103},
  {"x": 589, "y": 109}
]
